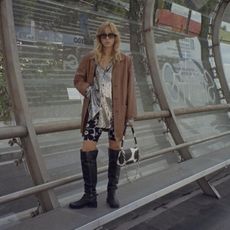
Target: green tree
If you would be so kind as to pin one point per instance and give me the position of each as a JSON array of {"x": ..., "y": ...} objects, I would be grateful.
[{"x": 4, "y": 97}]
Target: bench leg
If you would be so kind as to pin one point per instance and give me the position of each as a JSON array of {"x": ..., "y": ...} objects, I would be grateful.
[{"x": 207, "y": 188}]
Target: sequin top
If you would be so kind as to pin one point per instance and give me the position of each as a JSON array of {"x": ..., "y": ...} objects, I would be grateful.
[{"x": 101, "y": 97}]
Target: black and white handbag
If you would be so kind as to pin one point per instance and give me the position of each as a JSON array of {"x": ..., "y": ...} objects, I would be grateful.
[{"x": 129, "y": 155}]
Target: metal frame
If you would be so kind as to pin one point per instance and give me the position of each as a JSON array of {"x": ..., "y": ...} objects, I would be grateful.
[
  {"x": 51, "y": 127},
  {"x": 171, "y": 122},
  {"x": 76, "y": 177},
  {"x": 27, "y": 132},
  {"x": 215, "y": 27},
  {"x": 29, "y": 142}
]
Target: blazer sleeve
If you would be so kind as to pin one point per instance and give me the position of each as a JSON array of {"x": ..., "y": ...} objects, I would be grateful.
[
  {"x": 131, "y": 112},
  {"x": 80, "y": 78}
]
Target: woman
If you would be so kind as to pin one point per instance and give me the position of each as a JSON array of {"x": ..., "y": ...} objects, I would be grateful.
[{"x": 105, "y": 78}]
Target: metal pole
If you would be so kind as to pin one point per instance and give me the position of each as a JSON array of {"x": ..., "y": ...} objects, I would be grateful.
[
  {"x": 33, "y": 155},
  {"x": 51, "y": 127},
  {"x": 171, "y": 122},
  {"x": 11, "y": 132},
  {"x": 216, "y": 23},
  {"x": 202, "y": 109}
]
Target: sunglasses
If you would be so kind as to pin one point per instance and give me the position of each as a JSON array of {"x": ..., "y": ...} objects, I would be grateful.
[{"x": 109, "y": 35}]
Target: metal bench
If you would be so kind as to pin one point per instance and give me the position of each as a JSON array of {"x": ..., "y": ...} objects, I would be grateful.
[{"x": 132, "y": 195}]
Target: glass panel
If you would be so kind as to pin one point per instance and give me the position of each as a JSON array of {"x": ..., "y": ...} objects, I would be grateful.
[
  {"x": 51, "y": 46},
  {"x": 187, "y": 66},
  {"x": 183, "y": 55},
  {"x": 198, "y": 126},
  {"x": 14, "y": 175},
  {"x": 52, "y": 37},
  {"x": 5, "y": 114}
]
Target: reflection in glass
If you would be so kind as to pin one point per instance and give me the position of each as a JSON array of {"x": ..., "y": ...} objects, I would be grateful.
[
  {"x": 198, "y": 126},
  {"x": 51, "y": 44},
  {"x": 187, "y": 68},
  {"x": 5, "y": 105},
  {"x": 52, "y": 37},
  {"x": 14, "y": 174},
  {"x": 184, "y": 57}
]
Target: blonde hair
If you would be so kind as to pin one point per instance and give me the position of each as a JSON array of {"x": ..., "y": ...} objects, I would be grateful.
[{"x": 116, "y": 54}]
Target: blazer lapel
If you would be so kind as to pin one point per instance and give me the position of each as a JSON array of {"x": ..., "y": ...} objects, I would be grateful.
[{"x": 92, "y": 70}]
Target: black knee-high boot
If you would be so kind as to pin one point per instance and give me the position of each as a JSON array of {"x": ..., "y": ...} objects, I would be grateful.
[
  {"x": 113, "y": 175},
  {"x": 89, "y": 171}
]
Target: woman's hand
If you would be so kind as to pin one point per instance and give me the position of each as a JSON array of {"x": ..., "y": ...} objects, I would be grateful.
[
  {"x": 88, "y": 92},
  {"x": 130, "y": 122}
]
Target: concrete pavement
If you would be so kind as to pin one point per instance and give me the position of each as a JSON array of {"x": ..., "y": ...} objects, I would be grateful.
[{"x": 185, "y": 209}]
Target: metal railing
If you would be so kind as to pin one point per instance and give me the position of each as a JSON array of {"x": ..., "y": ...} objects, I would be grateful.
[
  {"x": 63, "y": 126},
  {"x": 51, "y": 127}
]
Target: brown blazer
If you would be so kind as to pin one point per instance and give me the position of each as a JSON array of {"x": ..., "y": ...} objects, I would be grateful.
[{"x": 124, "y": 100}]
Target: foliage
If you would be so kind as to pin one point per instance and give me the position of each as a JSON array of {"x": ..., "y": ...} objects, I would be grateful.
[{"x": 4, "y": 98}]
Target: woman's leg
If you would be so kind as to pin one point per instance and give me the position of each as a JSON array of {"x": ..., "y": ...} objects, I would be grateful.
[
  {"x": 89, "y": 145},
  {"x": 113, "y": 172},
  {"x": 115, "y": 145},
  {"x": 89, "y": 168}
]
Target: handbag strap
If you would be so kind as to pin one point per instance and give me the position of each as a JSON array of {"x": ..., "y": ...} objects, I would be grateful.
[
  {"x": 138, "y": 172},
  {"x": 134, "y": 137}
]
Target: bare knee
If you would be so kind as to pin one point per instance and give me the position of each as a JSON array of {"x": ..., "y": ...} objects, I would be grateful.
[
  {"x": 115, "y": 145},
  {"x": 89, "y": 146}
]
